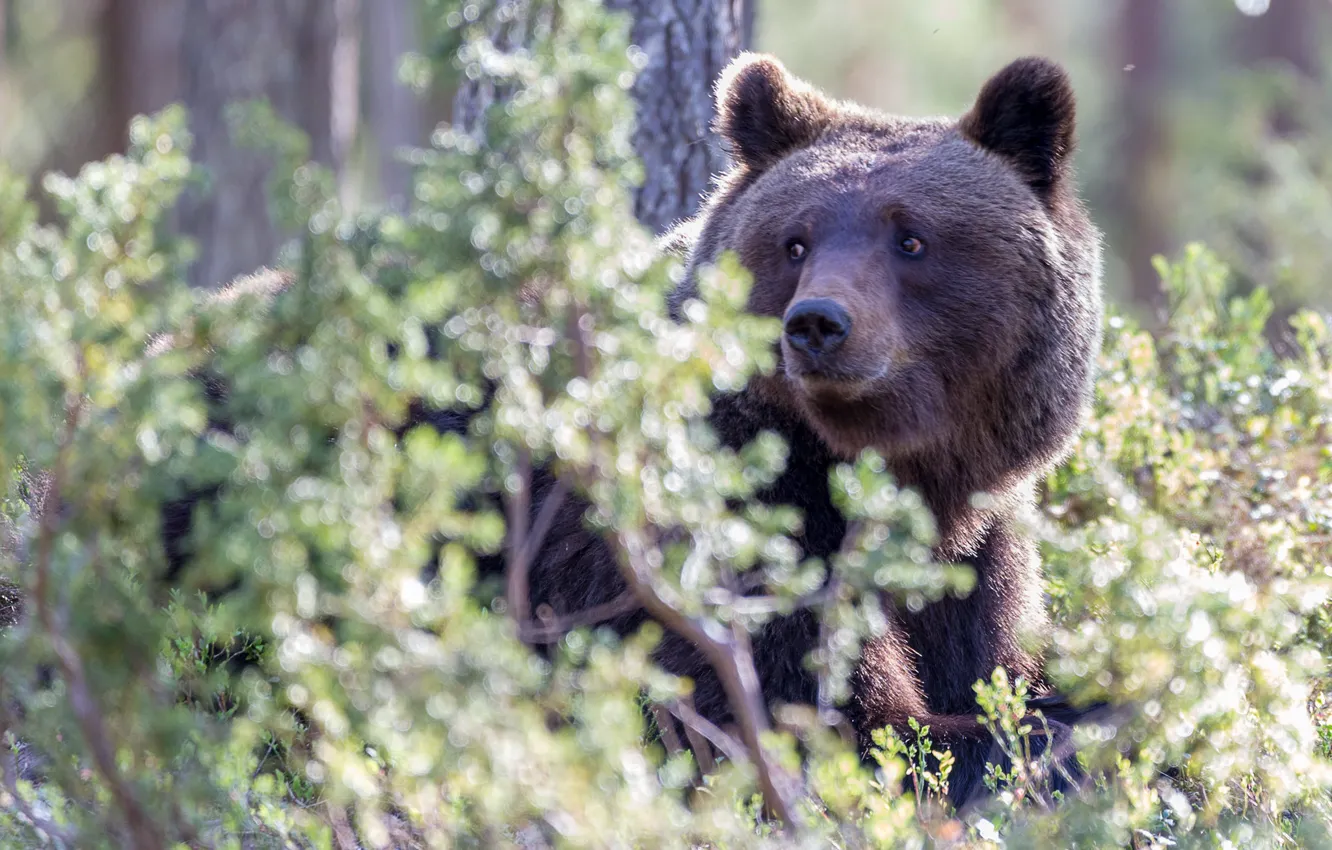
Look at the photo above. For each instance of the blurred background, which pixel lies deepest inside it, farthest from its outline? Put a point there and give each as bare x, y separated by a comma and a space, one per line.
1200, 119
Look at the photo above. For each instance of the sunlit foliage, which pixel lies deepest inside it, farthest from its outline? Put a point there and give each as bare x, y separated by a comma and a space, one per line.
329, 669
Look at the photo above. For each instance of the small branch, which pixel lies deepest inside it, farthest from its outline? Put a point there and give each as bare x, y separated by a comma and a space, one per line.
825, 701
524, 546
582, 361
143, 831
710, 732
753, 606
759, 605
516, 586
733, 663
549, 508
702, 750
344, 837
551, 631
666, 725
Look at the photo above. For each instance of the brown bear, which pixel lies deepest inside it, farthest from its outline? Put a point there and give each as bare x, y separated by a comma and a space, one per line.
939, 287
938, 284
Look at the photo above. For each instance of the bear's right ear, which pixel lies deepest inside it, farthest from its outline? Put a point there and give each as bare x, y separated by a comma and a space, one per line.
763, 113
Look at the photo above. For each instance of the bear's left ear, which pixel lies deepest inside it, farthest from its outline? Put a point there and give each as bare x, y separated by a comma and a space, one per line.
764, 113
1025, 113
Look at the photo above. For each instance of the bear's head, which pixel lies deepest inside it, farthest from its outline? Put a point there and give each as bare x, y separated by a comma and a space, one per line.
937, 280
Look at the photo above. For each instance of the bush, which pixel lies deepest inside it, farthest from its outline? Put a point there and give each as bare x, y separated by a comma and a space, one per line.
328, 669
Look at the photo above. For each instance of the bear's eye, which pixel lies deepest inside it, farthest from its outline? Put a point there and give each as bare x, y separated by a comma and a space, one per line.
911, 246
796, 250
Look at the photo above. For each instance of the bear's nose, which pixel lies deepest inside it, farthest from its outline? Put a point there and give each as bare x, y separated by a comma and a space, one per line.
817, 326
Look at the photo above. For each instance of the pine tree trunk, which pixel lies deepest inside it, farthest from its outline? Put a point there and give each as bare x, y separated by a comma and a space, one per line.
1143, 190
687, 43
140, 46
124, 34
4, 32
344, 91
393, 112
282, 51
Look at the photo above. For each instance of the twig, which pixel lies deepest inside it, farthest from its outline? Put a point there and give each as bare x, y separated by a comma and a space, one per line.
666, 725
825, 700
344, 837
830, 591
702, 750
516, 586
759, 605
143, 831
549, 507
524, 546
711, 732
551, 631
753, 606
582, 362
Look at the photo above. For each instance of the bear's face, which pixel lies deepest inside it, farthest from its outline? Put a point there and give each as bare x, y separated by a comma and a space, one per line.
936, 280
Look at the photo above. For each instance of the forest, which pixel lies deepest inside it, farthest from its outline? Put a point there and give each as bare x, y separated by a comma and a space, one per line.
262, 586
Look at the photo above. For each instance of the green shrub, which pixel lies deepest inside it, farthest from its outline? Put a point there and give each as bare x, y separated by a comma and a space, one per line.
302, 684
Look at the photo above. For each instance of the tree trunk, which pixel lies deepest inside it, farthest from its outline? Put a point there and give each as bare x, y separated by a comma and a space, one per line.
1142, 187
140, 54
94, 126
687, 43
137, 45
282, 51
344, 89
393, 112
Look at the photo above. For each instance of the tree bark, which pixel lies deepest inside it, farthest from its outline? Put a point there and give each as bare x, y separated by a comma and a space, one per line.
137, 44
393, 112
140, 54
344, 90
282, 51
687, 44
138, 71
95, 125
1142, 187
